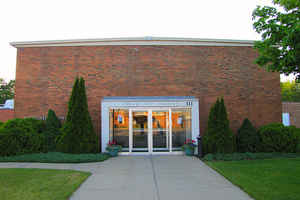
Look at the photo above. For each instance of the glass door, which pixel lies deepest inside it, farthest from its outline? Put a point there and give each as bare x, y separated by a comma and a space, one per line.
150, 129
119, 127
140, 131
160, 130
181, 127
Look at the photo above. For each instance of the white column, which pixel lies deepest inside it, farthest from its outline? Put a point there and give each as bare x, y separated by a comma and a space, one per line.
170, 129
195, 120
130, 131
150, 135
104, 126
167, 130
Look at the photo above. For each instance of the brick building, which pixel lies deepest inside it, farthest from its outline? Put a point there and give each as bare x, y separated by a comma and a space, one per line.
7, 110
292, 109
149, 94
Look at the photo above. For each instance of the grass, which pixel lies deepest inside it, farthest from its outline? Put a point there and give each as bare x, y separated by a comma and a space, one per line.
42, 184
270, 179
56, 157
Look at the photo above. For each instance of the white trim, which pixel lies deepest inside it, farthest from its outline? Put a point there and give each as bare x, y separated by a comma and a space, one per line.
134, 41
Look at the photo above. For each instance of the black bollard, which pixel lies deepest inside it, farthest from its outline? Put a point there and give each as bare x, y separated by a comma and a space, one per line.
199, 146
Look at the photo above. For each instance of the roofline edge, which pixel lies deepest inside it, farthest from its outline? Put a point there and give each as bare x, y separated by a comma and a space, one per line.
135, 41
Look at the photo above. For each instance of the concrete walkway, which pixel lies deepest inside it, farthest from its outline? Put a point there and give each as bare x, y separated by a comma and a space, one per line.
148, 177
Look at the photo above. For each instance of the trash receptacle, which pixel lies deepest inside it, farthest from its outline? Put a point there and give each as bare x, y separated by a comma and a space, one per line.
199, 146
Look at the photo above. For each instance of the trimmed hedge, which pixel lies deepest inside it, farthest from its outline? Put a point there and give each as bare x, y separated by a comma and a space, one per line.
247, 138
20, 136
276, 137
56, 157
247, 156
218, 137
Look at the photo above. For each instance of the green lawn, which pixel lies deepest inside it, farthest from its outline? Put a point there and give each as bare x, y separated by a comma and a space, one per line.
31, 184
270, 179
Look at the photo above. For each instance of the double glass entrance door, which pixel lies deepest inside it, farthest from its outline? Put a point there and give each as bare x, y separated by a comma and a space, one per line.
149, 130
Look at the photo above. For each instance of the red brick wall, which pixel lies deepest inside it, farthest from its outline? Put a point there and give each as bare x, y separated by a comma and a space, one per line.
293, 108
6, 114
45, 75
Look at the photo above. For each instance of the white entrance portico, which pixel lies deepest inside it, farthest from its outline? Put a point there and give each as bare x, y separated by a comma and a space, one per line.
149, 125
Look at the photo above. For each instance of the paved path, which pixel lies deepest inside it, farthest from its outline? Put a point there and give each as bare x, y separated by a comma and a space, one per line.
148, 177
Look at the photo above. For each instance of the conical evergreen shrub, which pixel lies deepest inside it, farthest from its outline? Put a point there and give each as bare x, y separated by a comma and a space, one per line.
78, 135
218, 137
52, 131
247, 137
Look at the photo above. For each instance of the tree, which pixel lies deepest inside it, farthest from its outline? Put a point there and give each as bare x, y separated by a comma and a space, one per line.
6, 90
78, 135
290, 91
279, 49
52, 131
247, 137
218, 137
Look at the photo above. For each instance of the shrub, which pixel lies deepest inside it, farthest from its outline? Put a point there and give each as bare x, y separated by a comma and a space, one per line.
247, 156
56, 157
78, 134
218, 137
52, 131
276, 137
250, 155
19, 136
208, 157
298, 148
247, 137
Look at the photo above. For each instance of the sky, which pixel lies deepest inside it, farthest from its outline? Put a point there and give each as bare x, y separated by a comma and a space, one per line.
33, 20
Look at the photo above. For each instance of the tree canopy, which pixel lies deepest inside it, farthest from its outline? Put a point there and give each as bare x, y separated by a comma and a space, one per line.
279, 27
290, 91
7, 90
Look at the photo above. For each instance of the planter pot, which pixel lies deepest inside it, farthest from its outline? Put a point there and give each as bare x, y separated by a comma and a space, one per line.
113, 151
189, 151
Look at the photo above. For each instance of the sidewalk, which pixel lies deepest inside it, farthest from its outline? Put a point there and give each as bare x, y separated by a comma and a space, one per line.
148, 177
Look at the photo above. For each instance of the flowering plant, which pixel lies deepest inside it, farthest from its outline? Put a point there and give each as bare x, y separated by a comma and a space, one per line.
110, 143
112, 146
189, 144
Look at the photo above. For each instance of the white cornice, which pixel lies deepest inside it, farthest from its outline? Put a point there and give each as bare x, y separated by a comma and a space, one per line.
135, 41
